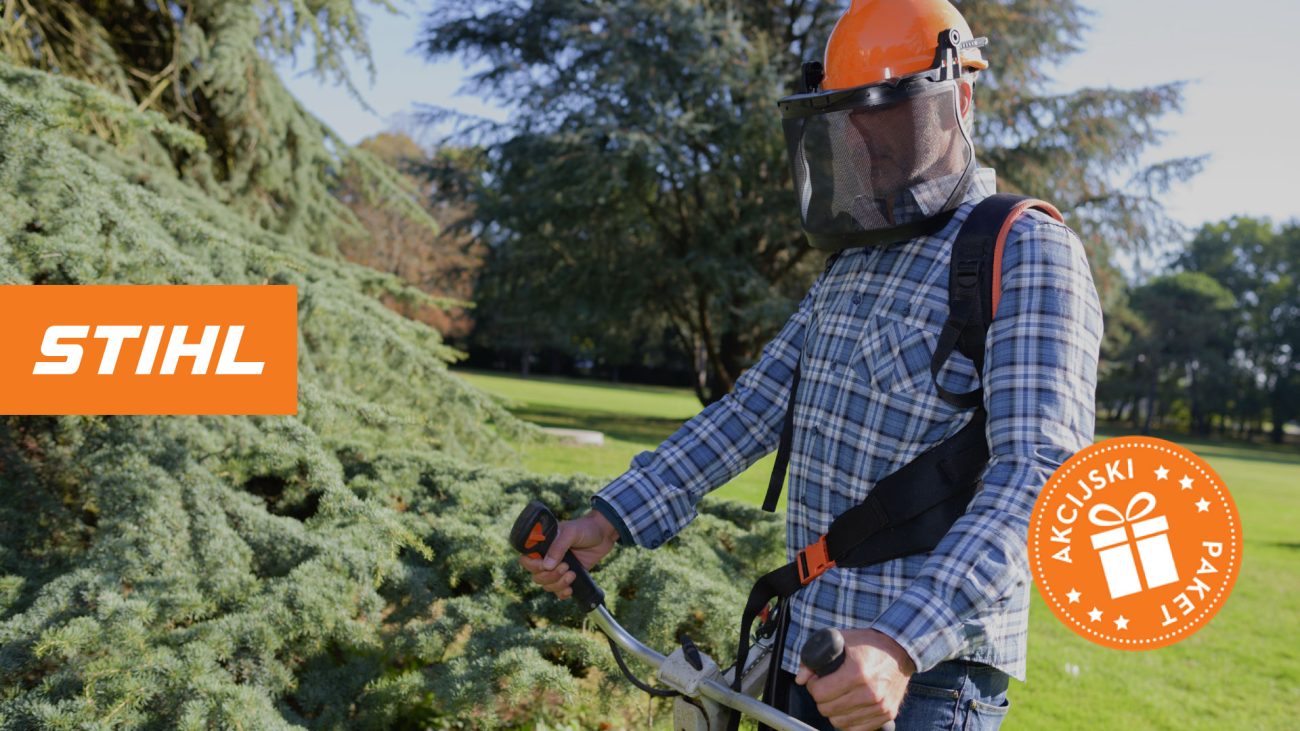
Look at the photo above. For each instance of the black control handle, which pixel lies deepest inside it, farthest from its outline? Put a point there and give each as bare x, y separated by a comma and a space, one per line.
823, 653
534, 531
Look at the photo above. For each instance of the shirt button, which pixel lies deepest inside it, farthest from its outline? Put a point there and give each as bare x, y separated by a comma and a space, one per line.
655, 543
857, 299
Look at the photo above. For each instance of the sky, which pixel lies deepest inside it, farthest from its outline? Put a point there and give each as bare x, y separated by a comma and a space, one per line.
1241, 104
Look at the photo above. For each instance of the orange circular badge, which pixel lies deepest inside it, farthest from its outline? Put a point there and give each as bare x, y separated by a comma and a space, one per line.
1135, 543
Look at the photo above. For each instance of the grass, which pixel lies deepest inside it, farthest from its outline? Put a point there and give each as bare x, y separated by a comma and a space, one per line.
633, 418
1240, 671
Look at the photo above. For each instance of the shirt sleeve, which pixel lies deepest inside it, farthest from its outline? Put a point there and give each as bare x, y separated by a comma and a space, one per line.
1040, 380
656, 497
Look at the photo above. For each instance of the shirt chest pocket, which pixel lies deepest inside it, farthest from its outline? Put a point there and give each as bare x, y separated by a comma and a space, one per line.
885, 408
892, 353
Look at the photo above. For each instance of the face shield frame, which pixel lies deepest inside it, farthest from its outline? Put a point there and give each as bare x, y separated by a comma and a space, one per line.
811, 105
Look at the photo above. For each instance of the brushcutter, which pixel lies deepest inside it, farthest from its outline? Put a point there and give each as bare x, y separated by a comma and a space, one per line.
703, 691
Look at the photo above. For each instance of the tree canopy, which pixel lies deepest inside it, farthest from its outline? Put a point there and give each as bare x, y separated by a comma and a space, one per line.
640, 186
207, 66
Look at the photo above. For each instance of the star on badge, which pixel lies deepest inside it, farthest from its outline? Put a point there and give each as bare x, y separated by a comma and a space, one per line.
1074, 596
1121, 623
1162, 473
1186, 482
1202, 506
1095, 614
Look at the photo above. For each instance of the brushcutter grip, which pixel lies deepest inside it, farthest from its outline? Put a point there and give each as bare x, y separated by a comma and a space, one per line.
823, 653
534, 531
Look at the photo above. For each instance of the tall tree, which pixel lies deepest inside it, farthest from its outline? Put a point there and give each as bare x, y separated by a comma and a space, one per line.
1260, 264
274, 572
1188, 340
440, 263
642, 178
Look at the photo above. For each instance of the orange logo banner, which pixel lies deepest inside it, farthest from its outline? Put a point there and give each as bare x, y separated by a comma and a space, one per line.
146, 349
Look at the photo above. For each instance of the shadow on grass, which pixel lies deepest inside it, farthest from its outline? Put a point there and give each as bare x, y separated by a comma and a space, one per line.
628, 428
568, 381
1211, 447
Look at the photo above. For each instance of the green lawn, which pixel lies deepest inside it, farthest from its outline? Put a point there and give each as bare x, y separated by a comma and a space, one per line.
1241, 671
633, 418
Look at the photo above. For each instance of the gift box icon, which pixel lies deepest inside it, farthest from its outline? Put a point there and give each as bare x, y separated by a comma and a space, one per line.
1150, 535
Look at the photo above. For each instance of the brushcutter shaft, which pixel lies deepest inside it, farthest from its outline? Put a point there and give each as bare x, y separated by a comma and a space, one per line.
710, 689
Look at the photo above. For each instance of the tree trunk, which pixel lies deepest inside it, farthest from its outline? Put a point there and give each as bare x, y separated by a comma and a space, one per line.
720, 380
701, 371
732, 355
1151, 403
1277, 435
1196, 415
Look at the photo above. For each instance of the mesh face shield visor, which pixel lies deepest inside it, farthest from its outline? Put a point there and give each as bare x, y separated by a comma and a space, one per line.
880, 163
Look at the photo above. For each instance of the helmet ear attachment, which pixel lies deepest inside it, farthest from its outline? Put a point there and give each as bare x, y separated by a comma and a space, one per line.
810, 79
947, 57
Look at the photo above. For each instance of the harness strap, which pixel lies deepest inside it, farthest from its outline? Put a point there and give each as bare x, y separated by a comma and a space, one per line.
776, 692
977, 260
787, 424
1001, 243
905, 501
783, 448
778, 584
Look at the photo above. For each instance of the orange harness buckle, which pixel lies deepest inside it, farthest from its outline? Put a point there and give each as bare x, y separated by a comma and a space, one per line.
813, 561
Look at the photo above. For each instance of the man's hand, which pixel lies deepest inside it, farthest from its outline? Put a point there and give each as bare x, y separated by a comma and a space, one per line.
867, 690
590, 537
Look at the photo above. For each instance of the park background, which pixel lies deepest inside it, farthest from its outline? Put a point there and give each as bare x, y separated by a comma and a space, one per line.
347, 567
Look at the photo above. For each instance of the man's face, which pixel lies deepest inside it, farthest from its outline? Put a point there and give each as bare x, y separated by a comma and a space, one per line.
861, 170
889, 135
907, 141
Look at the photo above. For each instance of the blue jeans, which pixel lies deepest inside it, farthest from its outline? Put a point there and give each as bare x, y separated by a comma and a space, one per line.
952, 696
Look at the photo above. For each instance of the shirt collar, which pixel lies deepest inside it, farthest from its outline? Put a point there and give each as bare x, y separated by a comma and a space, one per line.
928, 197
983, 184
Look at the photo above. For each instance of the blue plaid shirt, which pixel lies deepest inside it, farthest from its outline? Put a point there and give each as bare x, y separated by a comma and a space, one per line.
866, 406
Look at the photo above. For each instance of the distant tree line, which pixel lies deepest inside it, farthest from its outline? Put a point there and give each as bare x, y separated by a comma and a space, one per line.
1212, 344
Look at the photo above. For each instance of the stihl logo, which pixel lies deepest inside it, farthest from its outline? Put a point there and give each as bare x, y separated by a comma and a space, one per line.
149, 350
114, 335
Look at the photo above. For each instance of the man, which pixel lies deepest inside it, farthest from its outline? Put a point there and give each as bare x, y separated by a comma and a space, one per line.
885, 175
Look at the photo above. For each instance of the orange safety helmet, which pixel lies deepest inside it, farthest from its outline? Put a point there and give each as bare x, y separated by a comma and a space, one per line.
879, 149
876, 40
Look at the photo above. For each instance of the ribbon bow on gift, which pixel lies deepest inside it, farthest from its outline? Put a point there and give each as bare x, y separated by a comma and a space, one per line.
1100, 513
